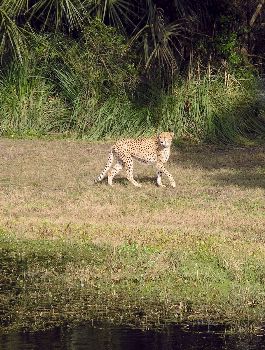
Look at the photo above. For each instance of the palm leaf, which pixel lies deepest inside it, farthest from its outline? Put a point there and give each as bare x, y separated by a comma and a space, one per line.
14, 8
12, 37
160, 42
58, 13
119, 13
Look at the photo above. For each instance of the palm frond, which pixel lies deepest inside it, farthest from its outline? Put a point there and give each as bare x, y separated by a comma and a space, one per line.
119, 13
160, 42
12, 37
14, 8
58, 13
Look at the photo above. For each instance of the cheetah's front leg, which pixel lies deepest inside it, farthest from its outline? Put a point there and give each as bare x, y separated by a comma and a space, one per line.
161, 169
159, 179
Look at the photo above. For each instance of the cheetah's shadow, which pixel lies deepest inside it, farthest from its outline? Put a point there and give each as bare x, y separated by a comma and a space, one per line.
125, 182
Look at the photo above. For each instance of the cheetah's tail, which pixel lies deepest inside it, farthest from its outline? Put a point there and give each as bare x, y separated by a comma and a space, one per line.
107, 167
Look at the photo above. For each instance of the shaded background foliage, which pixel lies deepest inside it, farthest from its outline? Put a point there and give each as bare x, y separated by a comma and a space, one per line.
164, 31
103, 62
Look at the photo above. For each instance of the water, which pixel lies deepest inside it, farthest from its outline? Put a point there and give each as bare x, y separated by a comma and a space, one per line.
118, 338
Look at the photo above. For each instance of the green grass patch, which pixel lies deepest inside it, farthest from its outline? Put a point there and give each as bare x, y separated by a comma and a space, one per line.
45, 283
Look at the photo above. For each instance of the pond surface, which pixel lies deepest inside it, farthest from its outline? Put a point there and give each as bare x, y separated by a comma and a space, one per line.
118, 338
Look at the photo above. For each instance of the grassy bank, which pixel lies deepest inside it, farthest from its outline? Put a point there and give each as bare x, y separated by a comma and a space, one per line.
73, 251
176, 279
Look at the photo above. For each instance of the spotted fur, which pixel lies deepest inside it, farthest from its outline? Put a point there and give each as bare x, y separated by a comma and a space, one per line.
148, 150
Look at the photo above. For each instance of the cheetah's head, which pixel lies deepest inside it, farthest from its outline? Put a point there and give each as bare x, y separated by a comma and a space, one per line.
165, 139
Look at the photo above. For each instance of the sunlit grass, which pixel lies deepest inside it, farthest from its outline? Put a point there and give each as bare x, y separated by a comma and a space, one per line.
199, 108
72, 250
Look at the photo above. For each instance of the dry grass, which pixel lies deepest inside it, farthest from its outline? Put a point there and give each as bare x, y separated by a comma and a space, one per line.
72, 250
47, 189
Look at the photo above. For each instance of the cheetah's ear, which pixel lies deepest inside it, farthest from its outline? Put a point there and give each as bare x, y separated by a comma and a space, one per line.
172, 134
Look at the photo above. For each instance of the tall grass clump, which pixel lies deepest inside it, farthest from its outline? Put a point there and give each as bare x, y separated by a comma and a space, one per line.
92, 88
78, 67
28, 105
115, 117
79, 86
213, 106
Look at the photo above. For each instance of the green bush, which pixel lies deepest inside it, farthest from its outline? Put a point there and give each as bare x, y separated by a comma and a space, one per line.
89, 87
215, 107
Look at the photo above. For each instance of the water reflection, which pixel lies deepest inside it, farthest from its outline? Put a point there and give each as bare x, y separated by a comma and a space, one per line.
172, 338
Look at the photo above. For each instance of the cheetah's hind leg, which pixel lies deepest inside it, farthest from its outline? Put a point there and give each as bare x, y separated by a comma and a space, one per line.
107, 167
114, 171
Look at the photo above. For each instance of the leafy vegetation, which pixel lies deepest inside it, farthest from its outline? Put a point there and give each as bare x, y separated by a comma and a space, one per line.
99, 68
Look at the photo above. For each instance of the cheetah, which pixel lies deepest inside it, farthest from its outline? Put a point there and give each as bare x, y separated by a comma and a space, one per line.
147, 150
